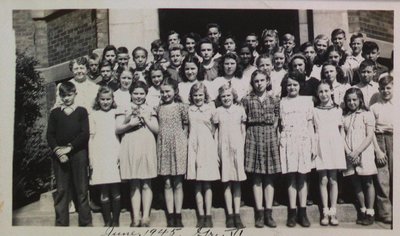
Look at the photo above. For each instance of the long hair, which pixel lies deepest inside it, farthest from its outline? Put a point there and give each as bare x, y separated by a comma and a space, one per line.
341, 52
340, 78
155, 67
200, 69
103, 90
358, 92
239, 70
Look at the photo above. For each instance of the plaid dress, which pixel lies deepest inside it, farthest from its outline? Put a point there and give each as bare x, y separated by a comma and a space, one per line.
261, 146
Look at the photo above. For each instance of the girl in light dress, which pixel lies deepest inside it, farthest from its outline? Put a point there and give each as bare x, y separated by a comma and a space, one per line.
359, 126
230, 119
138, 160
172, 148
155, 77
330, 149
203, 160
103, 155
122, 96
335, 75
296, 146
191, 72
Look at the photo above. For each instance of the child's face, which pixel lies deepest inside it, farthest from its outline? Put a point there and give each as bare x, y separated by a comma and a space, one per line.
356, 46
299, 65
198, 98
93, 66
206, 51
229, 45
373, 55
293, 88
265, 65
367, 73
288, 45
138, 96
386, 92
252, 41
321, 46
110, 56
68, 98
214, 34
126, 80
245, 55
176, 57
269, 42
229, 66
324, 93
310, 53
339, 40
352, 102
158, 53
105, 72
105, 101
191, 71
79, 71
123, 59
330, 72
173, 39
226, 98
334, 57
156, 77
167, 93
140, 59
190, 45
260, 83
279, 60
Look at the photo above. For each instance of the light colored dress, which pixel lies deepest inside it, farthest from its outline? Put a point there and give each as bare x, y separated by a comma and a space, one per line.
138, 158
296, 138
276, 80
103, 148
203, 160
122, 98
172, 139
330, 146
231, 142
153, 97
184, 90
355, 126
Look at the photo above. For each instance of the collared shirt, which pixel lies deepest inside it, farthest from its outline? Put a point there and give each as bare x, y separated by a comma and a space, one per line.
261, 110
383, 112
339, 90
368, 91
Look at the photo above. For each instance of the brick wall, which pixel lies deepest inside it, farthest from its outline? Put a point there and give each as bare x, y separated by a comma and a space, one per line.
24, 31
375, 24
71, 34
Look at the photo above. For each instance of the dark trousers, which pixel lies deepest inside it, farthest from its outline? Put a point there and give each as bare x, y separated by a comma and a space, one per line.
72, 176
383, 180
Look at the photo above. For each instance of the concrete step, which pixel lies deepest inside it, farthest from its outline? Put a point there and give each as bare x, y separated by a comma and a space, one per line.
41, 213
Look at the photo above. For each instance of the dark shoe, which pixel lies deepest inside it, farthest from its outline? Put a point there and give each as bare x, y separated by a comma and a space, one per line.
259, 218
268, 220
170, 220
387, 221
368, 220
275, 203
302, 217
238, 222
291, 220
106, 213
208, 222
200, 221
360, 217
116, 211
178, 220
310, 202
230, 223
94, 207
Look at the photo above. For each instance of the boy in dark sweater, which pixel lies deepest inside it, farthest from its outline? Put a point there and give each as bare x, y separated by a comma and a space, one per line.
67, 136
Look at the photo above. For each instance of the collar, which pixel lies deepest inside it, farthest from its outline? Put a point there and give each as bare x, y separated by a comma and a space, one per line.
73, 107
380, 100
209, 66
203, 108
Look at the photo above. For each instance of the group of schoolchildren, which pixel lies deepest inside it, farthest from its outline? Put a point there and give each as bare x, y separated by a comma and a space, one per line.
212, 109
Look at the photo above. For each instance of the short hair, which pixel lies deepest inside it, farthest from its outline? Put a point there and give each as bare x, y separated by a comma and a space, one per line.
196, 87
191, 35
366, 63
338, 31
105, 63
239, 70
103, 90
340, 77
307, 63
264, 56
213, 25
139, 49
122, 50
195, 60
109, 48
360, 96
66, 87
252, 34
259, 72
369, 46
175, 46
388, 79
80, 61
223, 88
93, 56
321, 37
288, 37
156, 44
306, 45
138, 84
270, 33
356, 35
206, 41
171, 32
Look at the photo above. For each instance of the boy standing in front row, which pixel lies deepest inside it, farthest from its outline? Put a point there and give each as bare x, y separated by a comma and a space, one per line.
67, 136
383, 111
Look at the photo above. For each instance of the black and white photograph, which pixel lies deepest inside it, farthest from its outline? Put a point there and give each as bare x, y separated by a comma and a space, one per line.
202, 118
